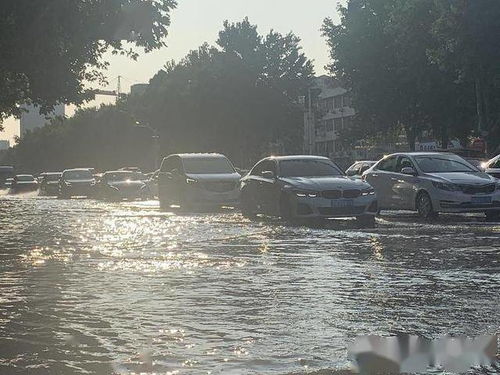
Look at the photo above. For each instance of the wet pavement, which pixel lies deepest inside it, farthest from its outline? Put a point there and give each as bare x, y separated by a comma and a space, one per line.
97, 288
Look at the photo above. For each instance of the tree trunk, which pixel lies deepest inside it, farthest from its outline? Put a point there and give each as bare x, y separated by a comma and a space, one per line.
411, 136
479, 100
445, 138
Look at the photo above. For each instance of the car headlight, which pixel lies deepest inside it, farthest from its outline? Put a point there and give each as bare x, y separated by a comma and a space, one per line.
191, 181
369, 191
304, 194
445, 186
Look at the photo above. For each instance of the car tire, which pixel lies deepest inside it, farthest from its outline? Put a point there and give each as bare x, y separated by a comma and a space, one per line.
286, 210
366, 221
492, 216
247, 206
424, 206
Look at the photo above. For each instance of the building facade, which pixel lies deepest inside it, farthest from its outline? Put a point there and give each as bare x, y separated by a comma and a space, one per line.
328, 112
31, 118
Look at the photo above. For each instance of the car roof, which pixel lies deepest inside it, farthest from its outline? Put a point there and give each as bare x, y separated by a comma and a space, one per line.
297, 157
422, 153
24, 175
49, 173
77, 170
198, 155
122, 172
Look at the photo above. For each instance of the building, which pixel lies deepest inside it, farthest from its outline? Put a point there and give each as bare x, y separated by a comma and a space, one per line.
139, 89
4, 144
328, 112
31, 118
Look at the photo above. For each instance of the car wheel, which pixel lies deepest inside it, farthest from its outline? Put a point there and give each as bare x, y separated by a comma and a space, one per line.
424, 206
492, 215
366, 221
286, 211
247, 206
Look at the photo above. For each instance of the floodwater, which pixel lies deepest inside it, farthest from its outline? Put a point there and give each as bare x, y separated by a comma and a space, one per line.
98, 288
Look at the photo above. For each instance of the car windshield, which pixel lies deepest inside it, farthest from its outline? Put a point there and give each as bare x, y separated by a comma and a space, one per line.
52, 177
207, 165
308, 168
25, 178
124, 176
443, 164
78, 175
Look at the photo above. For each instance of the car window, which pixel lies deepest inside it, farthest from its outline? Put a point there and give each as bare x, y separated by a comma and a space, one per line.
354, 170
207, 165
265, 165
444, 164
388, 164
495, 164
171, 163
309, 168
404, 162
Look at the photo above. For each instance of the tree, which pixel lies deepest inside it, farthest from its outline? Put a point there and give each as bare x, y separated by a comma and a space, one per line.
381, 51
52, 50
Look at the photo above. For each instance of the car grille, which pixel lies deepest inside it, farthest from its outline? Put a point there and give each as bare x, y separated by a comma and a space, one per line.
334, 211
481, 189
337, 194
219, 187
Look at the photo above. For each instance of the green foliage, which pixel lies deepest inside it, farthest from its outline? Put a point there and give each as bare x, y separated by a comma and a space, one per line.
236, 98
386, 52
51, 49
105, 138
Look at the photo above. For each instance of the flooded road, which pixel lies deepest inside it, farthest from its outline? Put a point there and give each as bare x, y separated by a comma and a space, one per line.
97, 288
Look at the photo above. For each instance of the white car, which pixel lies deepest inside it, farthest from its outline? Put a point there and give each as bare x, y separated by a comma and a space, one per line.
433, 182
194, 180
492, 167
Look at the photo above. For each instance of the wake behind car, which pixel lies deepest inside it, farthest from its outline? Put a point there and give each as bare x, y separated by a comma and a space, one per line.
23, 183
306, 187
76, 183
119, 185
194, 180
433, 182
49, 183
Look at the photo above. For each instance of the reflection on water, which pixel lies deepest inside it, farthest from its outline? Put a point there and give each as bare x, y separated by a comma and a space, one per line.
90, 287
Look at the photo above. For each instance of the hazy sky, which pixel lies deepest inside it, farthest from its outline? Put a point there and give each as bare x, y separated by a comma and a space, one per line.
197, 21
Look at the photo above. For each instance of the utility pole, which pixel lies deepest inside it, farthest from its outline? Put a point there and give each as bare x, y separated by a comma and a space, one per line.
119, 88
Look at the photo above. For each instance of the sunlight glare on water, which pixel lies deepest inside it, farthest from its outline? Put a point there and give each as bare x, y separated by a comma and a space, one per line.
90, 287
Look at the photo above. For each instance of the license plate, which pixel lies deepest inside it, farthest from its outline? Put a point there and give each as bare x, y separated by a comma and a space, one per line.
342, 203
481, 200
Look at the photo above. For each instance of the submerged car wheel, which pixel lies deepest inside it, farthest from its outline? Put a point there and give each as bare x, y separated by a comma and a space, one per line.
286, 211
424, 206
248, 209
366, 221
492, 215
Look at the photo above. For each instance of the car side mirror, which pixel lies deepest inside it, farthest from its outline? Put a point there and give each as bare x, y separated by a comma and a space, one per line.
409, 171
268, 174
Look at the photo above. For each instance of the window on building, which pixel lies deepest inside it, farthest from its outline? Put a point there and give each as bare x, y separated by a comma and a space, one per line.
329, 125
320, 148
329, 147
337, 124
347, 122
338, 146
347, 100
337, 101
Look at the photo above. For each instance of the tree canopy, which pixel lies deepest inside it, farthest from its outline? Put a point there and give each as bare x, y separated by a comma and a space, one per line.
52, 50
407, 62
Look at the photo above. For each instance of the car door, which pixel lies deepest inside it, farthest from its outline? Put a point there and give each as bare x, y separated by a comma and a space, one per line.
253, 185
404, 185
268, 189
169, 180
380, 178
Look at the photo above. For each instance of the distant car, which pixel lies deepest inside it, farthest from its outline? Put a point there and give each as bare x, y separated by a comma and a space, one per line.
23, 183
6, 172
492, 167
306, 187
433, 182
76, 183
49, 183
194, 180
119, 185
131, 169
358, 168
8, 183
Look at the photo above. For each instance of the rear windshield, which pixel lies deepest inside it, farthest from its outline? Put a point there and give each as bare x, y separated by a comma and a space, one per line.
25, 178
444, 164
308, 168
78, 175
207, 165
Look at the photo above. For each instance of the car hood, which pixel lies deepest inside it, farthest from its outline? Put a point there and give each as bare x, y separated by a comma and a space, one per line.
325, 183
126, 184
473, 178
222, 177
